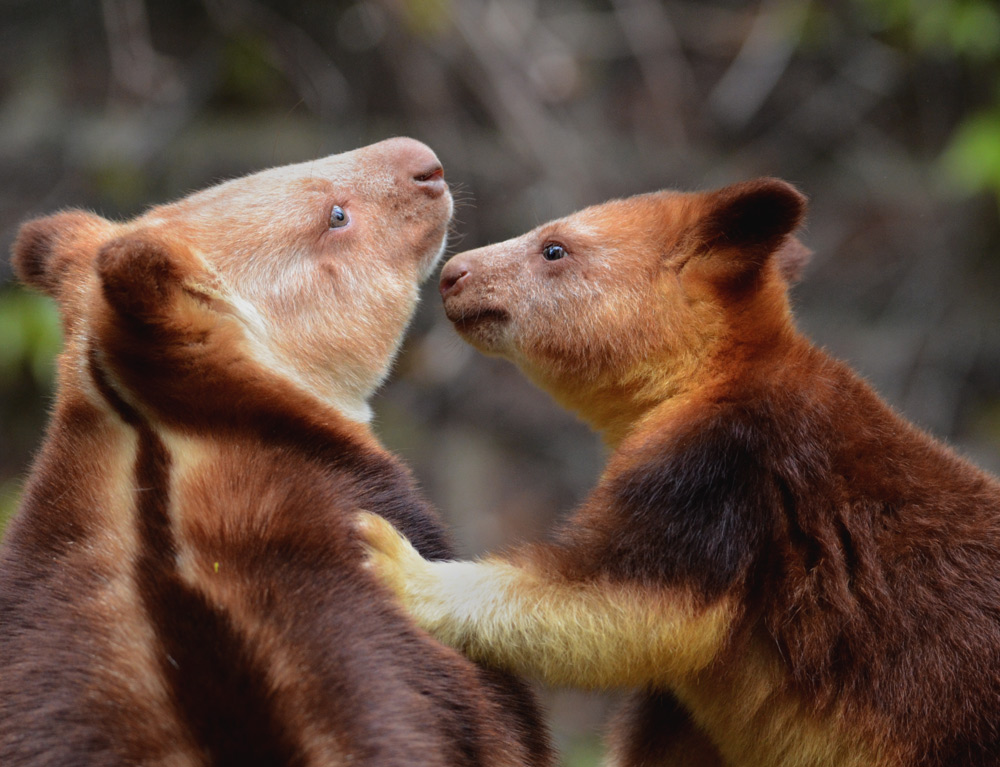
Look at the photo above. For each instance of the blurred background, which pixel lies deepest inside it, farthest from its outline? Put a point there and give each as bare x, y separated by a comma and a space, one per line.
885, 112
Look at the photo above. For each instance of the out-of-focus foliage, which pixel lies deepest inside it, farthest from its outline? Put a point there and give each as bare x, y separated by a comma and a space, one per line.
29, 336
29, 340
973, 156
945, 28
885, 112
9, 494
965, 30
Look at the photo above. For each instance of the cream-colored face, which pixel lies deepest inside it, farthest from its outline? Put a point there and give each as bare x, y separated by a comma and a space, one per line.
322, 261
310, 270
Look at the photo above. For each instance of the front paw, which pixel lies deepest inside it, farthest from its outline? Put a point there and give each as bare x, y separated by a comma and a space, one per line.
390, 556
434, 594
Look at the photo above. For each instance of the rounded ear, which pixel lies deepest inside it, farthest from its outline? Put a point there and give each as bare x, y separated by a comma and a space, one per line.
47, 249
142, 275
745, 224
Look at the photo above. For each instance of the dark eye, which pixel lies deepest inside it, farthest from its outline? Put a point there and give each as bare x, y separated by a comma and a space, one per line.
338, 217
553, 252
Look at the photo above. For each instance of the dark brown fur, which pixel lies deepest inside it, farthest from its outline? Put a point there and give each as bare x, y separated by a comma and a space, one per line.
869, 553
856, 559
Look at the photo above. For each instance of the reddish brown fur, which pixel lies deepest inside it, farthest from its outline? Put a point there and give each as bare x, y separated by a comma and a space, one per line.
862, 555
181, 584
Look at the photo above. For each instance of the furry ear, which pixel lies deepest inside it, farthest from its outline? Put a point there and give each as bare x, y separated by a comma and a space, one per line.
747, 223
144, 275
47, 249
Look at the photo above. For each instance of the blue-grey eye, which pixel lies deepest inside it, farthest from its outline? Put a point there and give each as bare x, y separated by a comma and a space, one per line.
338, 217
553, 251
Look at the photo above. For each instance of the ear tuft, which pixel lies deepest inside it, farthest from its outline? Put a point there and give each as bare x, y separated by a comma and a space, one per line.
46, 247
792, 258
753, 215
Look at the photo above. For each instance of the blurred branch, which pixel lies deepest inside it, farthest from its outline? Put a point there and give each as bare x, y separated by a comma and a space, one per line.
834, 111
318, 81
654, 43
166, 98
503, 90
136, 68
762, 59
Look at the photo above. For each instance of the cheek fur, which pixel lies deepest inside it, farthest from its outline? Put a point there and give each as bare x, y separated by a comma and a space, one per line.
583, 328
342, 332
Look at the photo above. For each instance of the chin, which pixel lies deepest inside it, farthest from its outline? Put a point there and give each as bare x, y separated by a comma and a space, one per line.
434, 260
486, 336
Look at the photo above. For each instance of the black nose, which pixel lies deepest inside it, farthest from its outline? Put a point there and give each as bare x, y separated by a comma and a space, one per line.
452, 277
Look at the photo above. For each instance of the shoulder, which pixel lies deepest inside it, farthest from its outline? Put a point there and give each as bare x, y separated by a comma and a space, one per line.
711, 457
693, 506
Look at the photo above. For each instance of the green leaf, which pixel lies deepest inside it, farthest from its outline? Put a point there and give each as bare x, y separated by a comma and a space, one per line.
975, 30
30, 335
972, 159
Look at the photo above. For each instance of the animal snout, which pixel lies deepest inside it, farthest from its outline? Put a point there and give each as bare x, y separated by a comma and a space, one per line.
418, 164
452, 278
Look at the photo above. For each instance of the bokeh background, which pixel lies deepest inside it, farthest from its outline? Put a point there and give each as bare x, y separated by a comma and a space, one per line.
885, 112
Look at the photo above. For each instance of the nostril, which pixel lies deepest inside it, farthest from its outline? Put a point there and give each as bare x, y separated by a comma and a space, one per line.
431, 180
451, 281
434, 173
